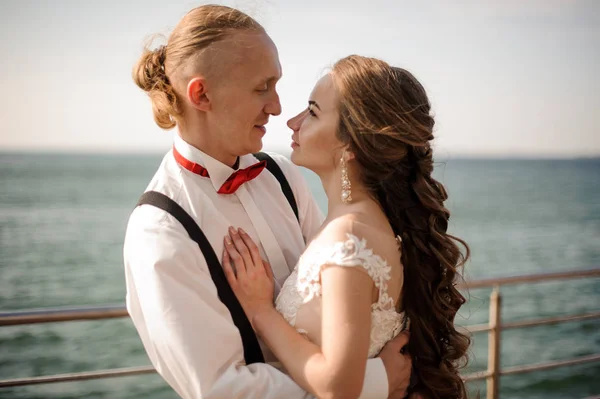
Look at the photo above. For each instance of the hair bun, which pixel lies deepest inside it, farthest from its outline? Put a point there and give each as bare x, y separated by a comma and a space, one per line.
161, 53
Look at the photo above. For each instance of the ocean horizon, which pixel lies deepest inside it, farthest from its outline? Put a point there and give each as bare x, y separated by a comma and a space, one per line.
446, 155
63, 217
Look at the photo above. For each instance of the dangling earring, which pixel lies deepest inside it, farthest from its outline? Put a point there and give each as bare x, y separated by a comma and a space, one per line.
346, 186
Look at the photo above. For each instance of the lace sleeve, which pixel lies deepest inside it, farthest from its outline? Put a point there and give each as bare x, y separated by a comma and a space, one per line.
350, 253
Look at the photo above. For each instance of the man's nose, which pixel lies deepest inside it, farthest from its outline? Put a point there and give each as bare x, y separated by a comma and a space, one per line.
274, 106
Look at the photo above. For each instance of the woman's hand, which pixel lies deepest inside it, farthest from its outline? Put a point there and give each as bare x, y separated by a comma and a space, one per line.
250, 278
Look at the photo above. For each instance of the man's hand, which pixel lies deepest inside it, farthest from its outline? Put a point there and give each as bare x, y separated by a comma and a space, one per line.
397, 365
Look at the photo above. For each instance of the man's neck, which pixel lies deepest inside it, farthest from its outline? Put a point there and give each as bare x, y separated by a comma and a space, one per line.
200, 142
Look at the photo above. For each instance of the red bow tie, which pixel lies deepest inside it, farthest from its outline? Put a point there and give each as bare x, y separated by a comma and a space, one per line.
234, 181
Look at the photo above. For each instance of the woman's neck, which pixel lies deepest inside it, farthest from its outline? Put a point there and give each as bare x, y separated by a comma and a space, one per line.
332, 184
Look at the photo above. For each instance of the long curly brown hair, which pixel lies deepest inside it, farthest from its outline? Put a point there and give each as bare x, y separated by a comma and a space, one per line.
385, 118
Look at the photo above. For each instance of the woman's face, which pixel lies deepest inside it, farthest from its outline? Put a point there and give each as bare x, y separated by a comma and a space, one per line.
314, 141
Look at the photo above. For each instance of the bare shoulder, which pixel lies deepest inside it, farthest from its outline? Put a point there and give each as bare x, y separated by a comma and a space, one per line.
337, 229
379, 239
350, 224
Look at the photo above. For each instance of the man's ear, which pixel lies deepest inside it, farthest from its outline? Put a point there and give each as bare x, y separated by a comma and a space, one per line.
196, 94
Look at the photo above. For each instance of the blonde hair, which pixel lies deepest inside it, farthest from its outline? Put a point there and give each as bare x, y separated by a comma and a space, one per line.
197, 30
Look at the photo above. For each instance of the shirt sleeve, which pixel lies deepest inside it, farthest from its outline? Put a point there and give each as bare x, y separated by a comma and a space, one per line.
186, 330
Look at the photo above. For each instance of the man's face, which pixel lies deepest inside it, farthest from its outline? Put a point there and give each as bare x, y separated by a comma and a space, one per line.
244, 97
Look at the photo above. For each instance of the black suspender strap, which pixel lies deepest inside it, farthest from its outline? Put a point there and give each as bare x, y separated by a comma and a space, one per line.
278, 173
252, 352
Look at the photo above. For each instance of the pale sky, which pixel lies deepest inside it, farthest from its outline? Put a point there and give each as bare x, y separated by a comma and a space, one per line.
506, 77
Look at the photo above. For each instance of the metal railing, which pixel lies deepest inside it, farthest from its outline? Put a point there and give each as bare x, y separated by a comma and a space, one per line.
494, 329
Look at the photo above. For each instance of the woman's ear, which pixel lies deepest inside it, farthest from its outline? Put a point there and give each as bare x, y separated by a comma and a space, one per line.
196, 94
348, 155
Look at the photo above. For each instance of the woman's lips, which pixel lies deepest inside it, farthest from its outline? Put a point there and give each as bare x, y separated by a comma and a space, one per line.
294, 143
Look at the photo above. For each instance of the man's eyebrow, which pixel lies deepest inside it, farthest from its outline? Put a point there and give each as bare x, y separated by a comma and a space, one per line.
311, 102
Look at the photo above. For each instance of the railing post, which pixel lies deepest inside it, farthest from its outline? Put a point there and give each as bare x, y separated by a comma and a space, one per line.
494, 344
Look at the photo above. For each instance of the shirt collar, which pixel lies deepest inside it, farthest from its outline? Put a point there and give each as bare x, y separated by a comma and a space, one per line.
218, 171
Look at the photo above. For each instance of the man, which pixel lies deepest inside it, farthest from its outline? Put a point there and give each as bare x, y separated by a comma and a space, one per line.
216, 80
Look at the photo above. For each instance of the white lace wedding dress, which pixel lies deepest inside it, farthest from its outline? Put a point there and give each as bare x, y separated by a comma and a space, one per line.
299, 300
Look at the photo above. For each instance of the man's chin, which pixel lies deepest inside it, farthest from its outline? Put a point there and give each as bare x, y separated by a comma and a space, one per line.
255, 147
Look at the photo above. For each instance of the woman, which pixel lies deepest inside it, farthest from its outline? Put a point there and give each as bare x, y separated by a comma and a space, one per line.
382, 256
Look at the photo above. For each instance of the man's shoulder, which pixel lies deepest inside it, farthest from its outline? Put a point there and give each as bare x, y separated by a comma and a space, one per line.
149, 219
146, 217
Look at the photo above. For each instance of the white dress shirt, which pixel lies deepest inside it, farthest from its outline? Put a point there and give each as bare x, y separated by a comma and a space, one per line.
188, 333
